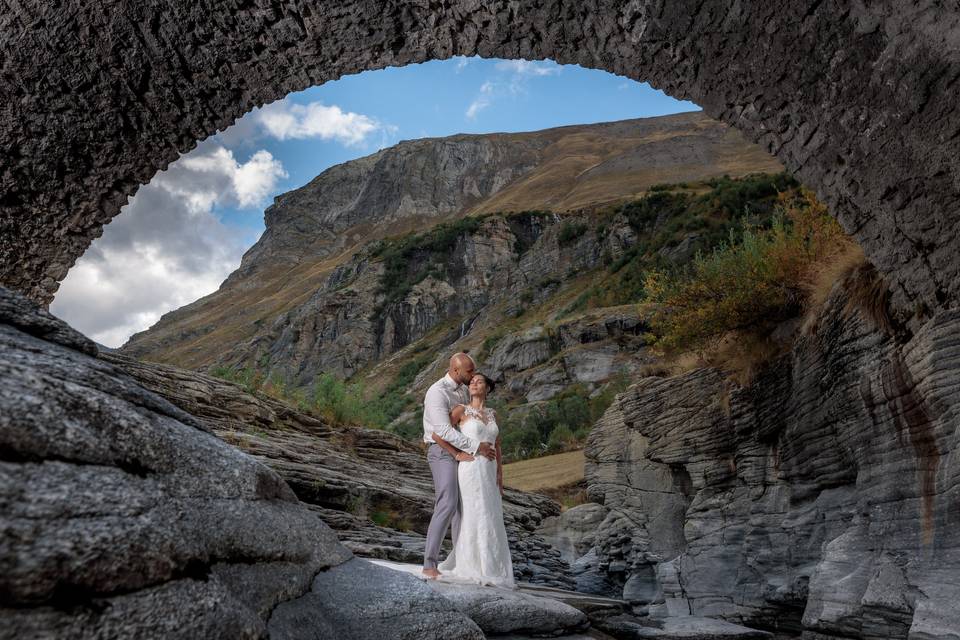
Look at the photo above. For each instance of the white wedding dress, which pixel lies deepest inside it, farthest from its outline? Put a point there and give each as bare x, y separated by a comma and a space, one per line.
481, 554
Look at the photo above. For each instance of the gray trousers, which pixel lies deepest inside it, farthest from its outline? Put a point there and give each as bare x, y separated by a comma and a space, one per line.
446, 506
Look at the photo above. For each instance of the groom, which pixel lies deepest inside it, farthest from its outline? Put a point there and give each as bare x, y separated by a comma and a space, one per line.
442, 397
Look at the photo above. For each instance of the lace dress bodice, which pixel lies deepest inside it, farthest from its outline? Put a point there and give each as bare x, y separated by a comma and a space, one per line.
480, 424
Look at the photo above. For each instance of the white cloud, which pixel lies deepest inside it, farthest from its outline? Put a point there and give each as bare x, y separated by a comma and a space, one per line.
285, 120
512, 80
482, 101
166, 248
530, 68
256, 179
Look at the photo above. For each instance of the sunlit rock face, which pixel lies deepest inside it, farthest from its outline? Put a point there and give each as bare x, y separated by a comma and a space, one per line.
822, 498
313, 293
858, 101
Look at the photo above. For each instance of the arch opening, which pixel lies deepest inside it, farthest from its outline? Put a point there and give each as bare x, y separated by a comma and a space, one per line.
867, 145
185, 231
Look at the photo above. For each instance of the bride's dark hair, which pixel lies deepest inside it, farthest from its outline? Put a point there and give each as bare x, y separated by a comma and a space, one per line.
491, 385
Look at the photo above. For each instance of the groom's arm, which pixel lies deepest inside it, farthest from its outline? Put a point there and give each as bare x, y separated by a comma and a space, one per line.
435, 413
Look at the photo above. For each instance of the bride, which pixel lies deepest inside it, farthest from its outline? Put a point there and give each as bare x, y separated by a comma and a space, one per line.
480, 553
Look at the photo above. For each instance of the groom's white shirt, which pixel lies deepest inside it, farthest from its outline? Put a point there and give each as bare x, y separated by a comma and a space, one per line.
442, 396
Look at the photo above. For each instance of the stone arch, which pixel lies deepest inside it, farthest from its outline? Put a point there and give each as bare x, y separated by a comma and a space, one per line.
857, 99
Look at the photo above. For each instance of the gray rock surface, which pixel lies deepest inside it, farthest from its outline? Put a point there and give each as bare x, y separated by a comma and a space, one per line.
573, 532
530, 610
337, 608
501, 611
817, 499
122, 516
688, 628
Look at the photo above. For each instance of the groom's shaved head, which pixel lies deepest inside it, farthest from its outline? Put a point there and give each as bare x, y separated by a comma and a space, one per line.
461, 367
461, 359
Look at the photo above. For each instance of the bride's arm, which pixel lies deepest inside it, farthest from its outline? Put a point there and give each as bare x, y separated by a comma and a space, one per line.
457, 454
499, 467
446, 446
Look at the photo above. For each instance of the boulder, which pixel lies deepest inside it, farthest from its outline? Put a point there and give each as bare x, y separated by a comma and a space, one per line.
124, 516
498, 611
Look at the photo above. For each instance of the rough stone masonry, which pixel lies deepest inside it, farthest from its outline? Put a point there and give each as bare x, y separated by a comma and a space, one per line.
857, 99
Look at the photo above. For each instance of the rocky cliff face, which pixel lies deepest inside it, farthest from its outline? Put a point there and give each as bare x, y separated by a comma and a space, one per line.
306, 256
427, 179
822, 498
352, 321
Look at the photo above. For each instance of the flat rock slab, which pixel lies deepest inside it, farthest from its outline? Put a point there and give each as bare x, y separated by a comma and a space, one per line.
590, 604
360, 600
680, 628
501, 611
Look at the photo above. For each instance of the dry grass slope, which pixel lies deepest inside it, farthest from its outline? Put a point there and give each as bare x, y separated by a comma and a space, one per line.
547, 472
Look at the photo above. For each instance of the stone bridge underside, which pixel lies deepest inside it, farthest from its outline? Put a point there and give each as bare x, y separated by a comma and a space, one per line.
858, 99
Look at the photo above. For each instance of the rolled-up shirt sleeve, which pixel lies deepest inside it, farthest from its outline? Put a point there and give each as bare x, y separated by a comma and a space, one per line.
436, 419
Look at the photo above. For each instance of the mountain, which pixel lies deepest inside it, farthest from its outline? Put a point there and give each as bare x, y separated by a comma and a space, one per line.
288, 305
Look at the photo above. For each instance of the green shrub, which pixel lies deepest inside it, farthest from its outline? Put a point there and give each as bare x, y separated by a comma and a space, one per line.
409, 259
561, 439
339, 402
570, 232
254, 380
518, 442
731, 205
559, 424
753, 281
391, 519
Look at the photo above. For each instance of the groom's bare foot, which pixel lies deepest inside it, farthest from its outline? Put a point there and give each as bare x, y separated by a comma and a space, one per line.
433, 574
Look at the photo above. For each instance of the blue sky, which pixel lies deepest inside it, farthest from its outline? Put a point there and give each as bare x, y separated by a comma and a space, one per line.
183, 233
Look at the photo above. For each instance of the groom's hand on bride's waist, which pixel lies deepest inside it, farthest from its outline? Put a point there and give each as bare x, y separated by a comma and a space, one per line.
463, 456
487, 451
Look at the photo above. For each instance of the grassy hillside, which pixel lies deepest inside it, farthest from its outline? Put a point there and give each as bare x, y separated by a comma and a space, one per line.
718, 213
547, 472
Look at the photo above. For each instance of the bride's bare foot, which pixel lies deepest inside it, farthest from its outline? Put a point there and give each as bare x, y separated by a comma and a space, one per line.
433, 574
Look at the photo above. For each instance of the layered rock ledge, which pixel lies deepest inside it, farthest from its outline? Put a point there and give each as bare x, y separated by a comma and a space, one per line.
821, 499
